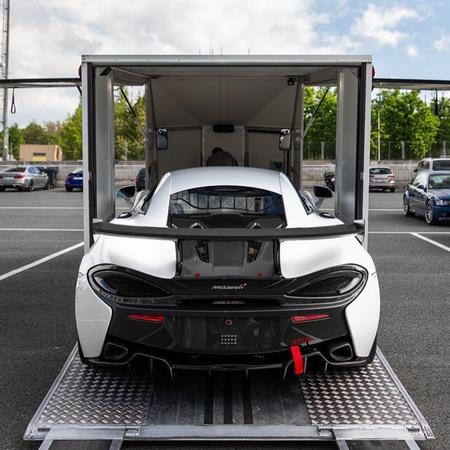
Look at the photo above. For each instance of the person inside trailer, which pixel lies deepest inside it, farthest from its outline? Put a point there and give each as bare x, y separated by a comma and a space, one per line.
220, 157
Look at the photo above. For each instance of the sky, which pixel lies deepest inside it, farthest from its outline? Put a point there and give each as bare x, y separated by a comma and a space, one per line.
407, 39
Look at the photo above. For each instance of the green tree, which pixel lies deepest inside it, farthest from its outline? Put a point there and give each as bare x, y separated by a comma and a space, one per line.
404, 116
323, 128
15, 139
128, 130
69, 136
443, 133
34, 133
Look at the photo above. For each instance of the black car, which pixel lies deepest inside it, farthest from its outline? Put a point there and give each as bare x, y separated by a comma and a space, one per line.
140, 180
428, 195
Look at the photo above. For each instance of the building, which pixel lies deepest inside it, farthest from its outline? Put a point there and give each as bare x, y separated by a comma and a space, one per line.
39, 152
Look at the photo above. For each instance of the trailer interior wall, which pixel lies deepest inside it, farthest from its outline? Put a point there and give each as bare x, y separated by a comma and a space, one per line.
258, 95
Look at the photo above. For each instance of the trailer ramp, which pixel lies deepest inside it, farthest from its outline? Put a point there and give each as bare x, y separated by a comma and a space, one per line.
339, 406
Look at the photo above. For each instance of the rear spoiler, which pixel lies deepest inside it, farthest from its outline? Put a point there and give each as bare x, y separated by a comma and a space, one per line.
228, 234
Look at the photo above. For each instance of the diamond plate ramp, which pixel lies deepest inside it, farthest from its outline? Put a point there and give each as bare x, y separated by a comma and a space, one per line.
362, 403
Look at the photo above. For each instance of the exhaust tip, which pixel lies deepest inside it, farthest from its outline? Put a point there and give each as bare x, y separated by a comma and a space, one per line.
341, 352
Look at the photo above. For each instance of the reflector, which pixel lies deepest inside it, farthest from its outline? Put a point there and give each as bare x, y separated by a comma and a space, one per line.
147, 318
309, 318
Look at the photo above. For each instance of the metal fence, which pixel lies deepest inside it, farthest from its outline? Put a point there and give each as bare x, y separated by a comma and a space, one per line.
313, 171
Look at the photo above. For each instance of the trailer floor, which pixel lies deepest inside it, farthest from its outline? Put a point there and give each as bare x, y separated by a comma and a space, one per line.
94, 404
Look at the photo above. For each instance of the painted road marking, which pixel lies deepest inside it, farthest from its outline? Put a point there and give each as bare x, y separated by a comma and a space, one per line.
437, 244
41, 229
410, 232
41, 207
40, 261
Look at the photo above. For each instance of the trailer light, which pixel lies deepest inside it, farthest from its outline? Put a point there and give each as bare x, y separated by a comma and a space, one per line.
147, 318
310, 318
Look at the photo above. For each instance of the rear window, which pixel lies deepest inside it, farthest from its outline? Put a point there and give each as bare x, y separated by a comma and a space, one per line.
441, 165
226, 206
17, 169
380, 171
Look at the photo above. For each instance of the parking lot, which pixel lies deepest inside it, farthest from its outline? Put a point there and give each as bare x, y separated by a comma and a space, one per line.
38, 327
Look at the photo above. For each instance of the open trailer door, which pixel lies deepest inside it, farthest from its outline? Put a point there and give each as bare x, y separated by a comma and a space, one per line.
240, 103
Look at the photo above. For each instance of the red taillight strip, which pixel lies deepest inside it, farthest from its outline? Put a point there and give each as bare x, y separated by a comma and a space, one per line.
309, 318
147, 318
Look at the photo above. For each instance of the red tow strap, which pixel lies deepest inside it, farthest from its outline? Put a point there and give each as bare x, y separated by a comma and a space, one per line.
297, 358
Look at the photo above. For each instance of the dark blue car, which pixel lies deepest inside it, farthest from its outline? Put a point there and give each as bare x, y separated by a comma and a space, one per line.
74, 180
428, 195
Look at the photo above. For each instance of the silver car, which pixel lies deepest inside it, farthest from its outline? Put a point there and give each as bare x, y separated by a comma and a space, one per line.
23, 178
381, 178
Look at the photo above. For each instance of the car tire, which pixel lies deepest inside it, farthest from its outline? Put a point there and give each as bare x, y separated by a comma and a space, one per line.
392, 189
429, 214
47, 186
69, 189
406, 210
30, 187
2, 189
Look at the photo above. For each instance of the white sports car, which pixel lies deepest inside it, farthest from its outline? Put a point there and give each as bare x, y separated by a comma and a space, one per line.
227, 268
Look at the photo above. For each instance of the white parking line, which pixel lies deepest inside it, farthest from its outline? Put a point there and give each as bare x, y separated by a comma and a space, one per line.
41, 229
41, 207
437, 244
39, 261
409, 232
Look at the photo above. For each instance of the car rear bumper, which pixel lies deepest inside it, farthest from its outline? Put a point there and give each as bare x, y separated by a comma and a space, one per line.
226, 339
16, 183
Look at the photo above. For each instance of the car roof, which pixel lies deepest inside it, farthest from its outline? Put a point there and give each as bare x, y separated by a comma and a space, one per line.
184, 179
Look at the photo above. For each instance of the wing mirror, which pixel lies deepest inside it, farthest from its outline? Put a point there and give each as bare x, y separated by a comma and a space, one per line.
285, 139
127, 193
321, 192
162, 139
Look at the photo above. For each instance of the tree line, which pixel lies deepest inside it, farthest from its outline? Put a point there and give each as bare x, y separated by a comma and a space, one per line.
403, 124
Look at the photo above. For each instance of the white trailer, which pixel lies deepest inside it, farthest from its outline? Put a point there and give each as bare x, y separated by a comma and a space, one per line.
196, 99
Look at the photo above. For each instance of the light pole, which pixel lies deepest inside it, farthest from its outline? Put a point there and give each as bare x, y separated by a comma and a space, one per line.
5, 57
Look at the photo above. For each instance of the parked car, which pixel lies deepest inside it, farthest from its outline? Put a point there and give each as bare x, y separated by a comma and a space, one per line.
140, 180
74, 180
433, 164
429, 195
381, 178
23, 178
330, 180
226, 304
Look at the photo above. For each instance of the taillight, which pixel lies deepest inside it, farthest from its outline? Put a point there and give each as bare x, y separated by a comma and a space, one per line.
19, 175
147, 318
309, 318
391, 177
122, 286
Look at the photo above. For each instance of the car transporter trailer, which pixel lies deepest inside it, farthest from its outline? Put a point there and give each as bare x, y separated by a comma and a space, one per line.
243, 103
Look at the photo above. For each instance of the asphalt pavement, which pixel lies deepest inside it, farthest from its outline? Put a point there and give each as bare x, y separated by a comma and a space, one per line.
37, 329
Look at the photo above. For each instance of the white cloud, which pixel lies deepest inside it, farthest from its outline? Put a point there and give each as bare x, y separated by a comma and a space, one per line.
382, 25
412, 52
49, 36
443, 43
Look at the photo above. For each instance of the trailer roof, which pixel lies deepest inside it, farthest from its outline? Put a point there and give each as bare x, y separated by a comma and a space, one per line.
234, 60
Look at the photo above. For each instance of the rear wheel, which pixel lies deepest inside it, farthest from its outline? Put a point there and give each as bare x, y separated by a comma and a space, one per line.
68, 189
392, 189
47, 186
429, 216
31, 186
2, 188
406, 210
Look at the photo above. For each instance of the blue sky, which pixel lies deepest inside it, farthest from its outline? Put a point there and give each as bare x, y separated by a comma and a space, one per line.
408, 39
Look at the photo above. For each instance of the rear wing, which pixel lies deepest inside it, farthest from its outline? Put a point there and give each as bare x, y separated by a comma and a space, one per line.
228, 234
